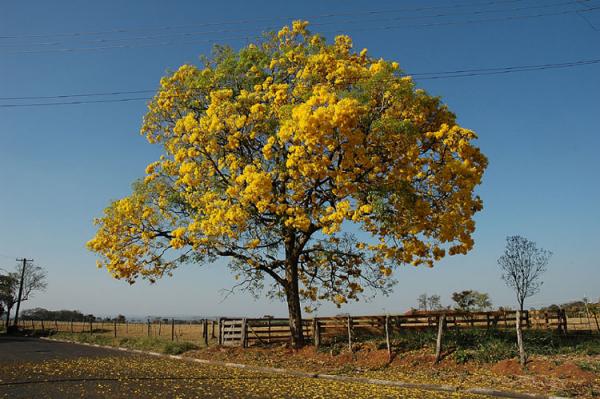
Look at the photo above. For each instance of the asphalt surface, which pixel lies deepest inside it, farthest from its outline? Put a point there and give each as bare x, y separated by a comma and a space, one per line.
24, 349
33, 368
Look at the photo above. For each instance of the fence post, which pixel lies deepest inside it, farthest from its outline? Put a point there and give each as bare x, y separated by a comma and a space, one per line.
220, 340
205, 331
148, 327
587, 314
91, 325
159, 327
115, 325
243, 333
440, 333
42, 326
212, 329
349, 322
387, 337
172, 329
268, 330
597, 324
71, 326
316, 332
56, 325
562, 321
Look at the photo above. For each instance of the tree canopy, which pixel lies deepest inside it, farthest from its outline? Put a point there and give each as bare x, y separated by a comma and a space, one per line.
523, 265
469, 300
301, 160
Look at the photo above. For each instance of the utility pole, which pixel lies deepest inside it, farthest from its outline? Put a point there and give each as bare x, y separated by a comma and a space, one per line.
24, 260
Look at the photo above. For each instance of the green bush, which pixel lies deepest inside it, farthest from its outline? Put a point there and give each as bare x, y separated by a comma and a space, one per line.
462, 356
593, 366
494, 350
140, 343
176, 348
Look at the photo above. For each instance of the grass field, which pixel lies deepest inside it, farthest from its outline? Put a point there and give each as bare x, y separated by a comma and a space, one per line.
179, 332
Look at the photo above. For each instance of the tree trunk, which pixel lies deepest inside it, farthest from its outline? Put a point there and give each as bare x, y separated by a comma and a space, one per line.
522, 355
521, 304
8, 309
294, 309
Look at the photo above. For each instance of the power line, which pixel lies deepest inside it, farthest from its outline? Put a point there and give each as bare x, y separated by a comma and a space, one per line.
119, 100
7, 256
387, 27
109, 93
252, 20
510, 69
418, 75
221, 31
582, 16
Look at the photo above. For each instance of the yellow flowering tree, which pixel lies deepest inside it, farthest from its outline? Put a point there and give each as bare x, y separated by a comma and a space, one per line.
304, 162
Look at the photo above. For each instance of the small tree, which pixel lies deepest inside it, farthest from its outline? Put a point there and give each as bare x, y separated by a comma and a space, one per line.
523, 264
34, 279
9, 285
434, 302
422, 302
429, 302
471, 300
482, 301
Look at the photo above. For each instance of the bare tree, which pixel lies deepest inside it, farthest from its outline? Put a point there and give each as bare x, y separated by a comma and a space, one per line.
422, 302
34, 279
434, 302
429, 302
523, 264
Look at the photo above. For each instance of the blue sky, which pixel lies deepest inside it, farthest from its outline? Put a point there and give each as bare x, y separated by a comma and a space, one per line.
60, 165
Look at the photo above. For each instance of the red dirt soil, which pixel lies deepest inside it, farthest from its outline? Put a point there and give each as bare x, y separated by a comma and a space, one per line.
567, 370
543, 375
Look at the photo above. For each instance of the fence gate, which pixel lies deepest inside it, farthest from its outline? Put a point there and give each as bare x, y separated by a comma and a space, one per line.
231, 332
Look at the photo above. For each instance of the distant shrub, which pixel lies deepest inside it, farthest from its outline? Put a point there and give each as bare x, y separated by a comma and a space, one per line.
176, 348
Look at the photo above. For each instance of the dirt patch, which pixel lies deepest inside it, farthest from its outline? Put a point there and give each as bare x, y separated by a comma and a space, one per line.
541, 367
508, 367
573, 371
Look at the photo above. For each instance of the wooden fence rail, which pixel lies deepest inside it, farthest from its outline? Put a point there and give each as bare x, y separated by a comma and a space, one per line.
249, 332
260, 331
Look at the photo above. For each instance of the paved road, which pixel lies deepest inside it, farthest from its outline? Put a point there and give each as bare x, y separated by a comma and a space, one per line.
19, 349
32, 368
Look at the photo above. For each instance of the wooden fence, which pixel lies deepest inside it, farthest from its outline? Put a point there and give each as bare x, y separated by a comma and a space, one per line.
250, 332
254, 331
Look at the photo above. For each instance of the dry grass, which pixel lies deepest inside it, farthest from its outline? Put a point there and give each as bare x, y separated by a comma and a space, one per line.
183, 332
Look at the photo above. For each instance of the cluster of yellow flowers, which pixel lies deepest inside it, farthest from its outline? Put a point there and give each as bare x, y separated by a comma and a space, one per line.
298, 135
